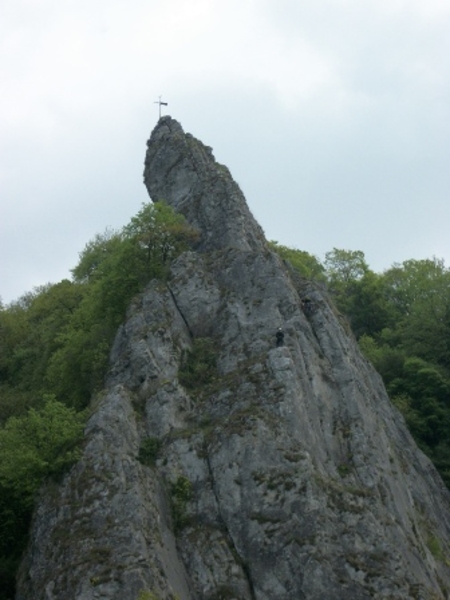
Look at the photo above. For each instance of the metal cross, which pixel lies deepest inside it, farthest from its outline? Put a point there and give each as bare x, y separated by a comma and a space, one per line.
161, 103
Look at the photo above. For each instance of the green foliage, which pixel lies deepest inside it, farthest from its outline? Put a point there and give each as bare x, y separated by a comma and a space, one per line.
343, 470
363, 300
306, 264
420, 292
149, 450
96, 253
199, 365
434, 546
182, 489
41, 444
146, 595
424, 392
56, 340
160, 233
181, 492
343, 266
13, 402
387, 359
119, 265
358, 291
114, 268
30, 332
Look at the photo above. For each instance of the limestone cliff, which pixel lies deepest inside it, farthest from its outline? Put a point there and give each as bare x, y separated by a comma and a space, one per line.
272, 473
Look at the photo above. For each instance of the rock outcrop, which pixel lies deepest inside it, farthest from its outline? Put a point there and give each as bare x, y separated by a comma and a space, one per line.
265, 473
182, 171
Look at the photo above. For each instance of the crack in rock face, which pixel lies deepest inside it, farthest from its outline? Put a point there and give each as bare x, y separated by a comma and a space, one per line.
272, 472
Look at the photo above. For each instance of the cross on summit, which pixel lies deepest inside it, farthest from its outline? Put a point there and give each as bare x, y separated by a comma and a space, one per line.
161, 103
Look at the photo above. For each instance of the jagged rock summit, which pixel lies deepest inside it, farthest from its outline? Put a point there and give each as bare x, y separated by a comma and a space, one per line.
272, 473
182, 171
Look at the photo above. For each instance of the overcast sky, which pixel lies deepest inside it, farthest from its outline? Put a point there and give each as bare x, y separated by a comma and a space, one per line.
332, 115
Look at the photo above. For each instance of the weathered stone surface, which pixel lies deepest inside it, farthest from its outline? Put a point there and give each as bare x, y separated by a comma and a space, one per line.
182, 171
301, 479
104, 533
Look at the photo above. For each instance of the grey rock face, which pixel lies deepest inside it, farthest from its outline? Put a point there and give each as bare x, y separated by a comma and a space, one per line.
280, 473
182, 171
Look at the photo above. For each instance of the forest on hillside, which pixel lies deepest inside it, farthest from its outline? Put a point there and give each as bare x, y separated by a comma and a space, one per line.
55, 342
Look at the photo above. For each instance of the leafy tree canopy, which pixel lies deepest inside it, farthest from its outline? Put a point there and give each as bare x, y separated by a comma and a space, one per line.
343, 266
56, 340
38, 444
33, 447
306, 264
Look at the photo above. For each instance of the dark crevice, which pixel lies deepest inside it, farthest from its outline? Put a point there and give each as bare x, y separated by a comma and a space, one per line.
180, 311
224, 528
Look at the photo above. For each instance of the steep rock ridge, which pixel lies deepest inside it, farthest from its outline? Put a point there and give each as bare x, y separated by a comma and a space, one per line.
280, 473
180, 170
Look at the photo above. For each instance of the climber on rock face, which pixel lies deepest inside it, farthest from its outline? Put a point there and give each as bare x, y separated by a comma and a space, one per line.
280, 337
307, 305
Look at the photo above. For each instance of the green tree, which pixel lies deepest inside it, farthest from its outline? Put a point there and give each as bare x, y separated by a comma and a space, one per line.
364, 302
160, 232
95, 254
416, 280
358, 292
344, 266
199, 366
119, 265
41, 444
30, 330
420, 292
387, 360
343, 270
306, 264
112, 269
38, 444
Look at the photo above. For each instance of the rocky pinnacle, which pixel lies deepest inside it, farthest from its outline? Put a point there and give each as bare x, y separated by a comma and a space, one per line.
218, 464
182, 171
